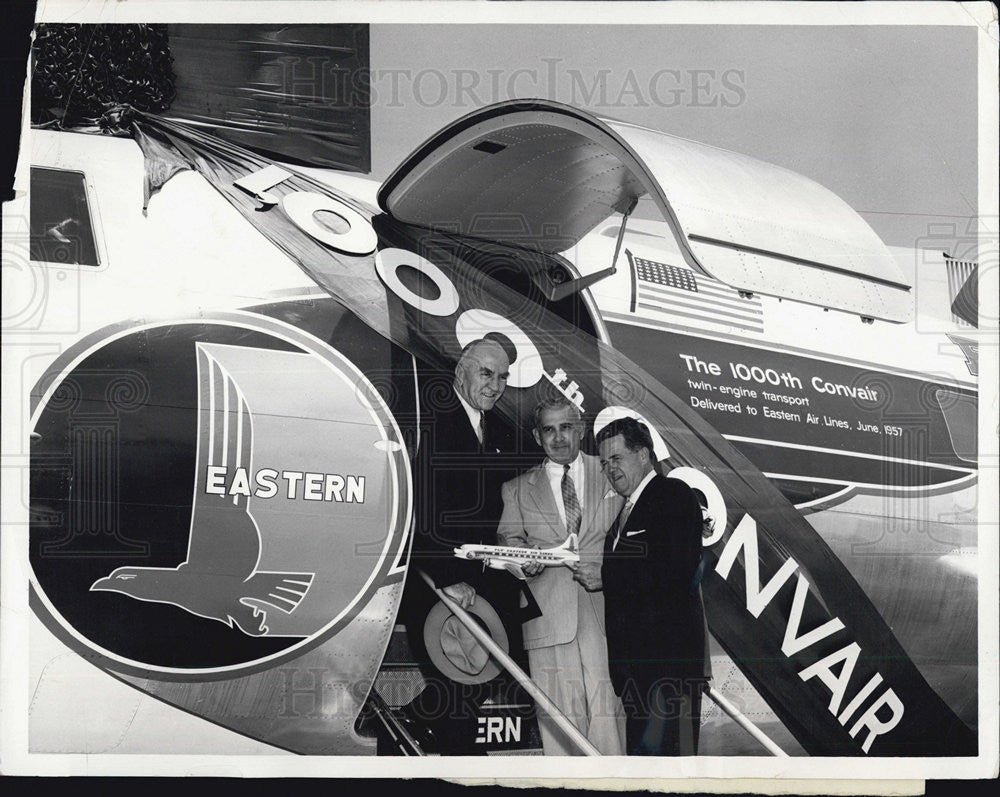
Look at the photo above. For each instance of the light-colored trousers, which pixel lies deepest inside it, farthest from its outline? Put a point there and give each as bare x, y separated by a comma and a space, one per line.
575, 677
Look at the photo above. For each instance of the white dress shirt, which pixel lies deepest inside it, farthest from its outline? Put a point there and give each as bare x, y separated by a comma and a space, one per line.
554, 473
640, 487
630, 502
475, 414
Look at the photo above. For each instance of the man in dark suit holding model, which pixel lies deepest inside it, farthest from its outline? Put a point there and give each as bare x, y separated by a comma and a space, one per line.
654, 617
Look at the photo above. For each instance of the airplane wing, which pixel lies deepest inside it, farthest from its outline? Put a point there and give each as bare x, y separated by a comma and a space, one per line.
515, 569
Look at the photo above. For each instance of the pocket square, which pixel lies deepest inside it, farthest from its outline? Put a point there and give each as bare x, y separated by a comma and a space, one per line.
633, 533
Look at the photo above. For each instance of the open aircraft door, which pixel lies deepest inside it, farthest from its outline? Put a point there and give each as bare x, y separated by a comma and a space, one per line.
543, 175
540, 176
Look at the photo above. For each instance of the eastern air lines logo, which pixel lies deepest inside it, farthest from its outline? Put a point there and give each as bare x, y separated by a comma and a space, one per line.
221, 578
245, 504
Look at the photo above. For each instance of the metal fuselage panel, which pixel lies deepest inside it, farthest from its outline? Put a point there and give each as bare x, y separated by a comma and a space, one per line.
887, 478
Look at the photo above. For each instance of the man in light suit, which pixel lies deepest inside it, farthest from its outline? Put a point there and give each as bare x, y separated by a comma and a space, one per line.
566, 646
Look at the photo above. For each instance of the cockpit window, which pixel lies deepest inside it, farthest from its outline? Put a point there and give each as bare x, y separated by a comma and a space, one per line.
62, 228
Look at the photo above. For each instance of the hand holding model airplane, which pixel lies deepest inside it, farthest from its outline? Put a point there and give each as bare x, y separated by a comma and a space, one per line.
514, 559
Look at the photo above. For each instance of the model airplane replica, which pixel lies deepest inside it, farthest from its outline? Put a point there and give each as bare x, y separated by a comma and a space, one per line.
513, 559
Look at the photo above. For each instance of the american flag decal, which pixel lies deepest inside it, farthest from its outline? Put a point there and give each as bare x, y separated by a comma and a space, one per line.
680, 294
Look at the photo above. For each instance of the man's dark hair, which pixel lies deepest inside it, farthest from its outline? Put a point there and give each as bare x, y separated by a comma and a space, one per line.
634, 433
557, 403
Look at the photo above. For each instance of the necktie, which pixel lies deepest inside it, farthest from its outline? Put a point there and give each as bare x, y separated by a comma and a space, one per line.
622, 518
570, 503
481, 429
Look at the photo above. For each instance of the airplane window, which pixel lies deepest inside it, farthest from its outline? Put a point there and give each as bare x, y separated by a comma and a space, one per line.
62, 230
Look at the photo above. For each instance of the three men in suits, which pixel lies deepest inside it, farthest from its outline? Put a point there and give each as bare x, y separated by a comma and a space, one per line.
567, 649
653, 608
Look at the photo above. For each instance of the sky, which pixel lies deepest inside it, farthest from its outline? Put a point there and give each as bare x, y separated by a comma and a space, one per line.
884, 116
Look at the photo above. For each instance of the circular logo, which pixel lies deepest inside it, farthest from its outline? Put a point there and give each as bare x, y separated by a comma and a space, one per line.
213, 495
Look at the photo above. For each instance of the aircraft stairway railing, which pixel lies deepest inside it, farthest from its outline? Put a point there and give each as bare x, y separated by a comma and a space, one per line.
744, 723
397, 731
542, 700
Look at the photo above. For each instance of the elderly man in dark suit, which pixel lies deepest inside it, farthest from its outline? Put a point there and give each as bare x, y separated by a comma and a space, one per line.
654, 616
459, 470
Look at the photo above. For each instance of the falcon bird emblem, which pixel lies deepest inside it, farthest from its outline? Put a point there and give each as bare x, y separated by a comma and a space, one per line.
219, 578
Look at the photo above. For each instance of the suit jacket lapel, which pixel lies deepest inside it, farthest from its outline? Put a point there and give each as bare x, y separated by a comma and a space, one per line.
636, 519
541, 494
464, 436
618, 529
594, 491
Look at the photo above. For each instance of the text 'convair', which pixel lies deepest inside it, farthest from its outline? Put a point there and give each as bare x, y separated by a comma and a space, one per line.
881, 713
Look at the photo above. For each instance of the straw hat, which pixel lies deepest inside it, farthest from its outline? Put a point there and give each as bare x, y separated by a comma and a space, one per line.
454, 650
